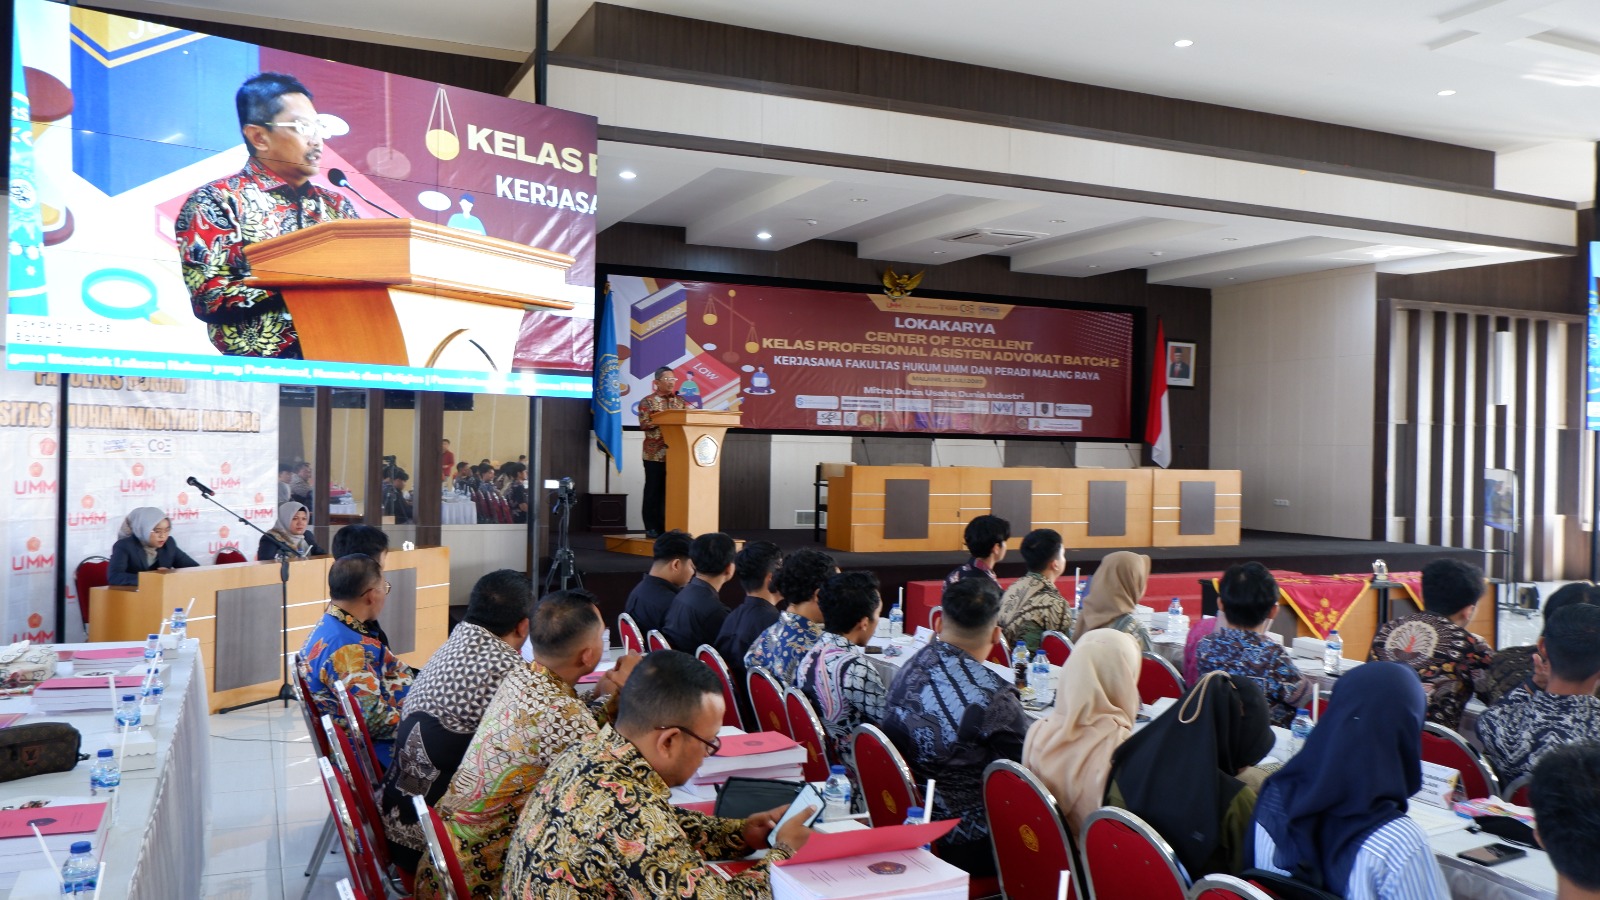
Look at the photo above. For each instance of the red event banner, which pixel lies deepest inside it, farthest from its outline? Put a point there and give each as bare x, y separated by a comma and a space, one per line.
812, 360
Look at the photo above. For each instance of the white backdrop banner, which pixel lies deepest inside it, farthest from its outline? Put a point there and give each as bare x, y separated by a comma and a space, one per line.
133, 442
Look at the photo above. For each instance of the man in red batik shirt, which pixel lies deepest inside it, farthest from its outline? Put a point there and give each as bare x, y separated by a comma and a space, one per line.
664, 397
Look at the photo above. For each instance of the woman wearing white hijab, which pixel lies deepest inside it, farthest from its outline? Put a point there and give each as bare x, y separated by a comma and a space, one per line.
291, 528
144, 544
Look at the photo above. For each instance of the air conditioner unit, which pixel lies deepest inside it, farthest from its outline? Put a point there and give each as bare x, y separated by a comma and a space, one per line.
990, 237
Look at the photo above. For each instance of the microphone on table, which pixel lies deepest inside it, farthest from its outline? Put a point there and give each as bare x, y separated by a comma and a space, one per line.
336, 177
195, 483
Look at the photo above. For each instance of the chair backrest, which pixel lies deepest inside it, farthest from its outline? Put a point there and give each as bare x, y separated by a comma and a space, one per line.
301, 685
632, 637
230, 555
1226, 887
709, 655
92, 572
1000, 653
360, 738
885, 779
1127, 860
1444, 747
655, 640
1282, 887
365, 794
1031, 847
1157, 678
1517, 791
935, 616
441, 850
363, 863
807, 731
1057, 647
766, 698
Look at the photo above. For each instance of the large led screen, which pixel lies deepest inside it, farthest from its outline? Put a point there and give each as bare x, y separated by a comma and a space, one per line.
187, 206
813, 360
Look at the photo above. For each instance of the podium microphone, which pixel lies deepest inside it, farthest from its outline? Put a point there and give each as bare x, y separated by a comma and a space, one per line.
195, 483
336, 177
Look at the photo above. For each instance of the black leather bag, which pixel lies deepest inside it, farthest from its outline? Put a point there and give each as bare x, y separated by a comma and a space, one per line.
38, 749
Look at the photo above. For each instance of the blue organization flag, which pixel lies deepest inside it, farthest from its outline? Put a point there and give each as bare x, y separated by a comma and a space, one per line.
607, 401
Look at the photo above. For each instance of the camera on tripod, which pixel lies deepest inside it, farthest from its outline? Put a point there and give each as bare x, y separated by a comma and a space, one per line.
565, 490
563, 562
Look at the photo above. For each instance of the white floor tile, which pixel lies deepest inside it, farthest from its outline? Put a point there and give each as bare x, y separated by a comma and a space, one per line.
294, 880
235, 850
245, 775
302, 803
292, 772
243, 809
297, 840
241, 748
262, 885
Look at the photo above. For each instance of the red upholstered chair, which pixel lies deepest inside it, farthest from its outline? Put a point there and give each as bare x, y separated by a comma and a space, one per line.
357, 851
93, 572
632, 637
1032, 849
1127, 860
766, 698
1226, 887
300, 684
441, 850
356, 730
365, 793
807, 731
1000, 653
935, 616
709, 655
1444, 747
1057, 647
230, 555
1157, 678
1517, 791
655, 640
885, 779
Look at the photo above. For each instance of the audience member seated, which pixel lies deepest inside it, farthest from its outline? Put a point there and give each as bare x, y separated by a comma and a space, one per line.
1335, 815
1198, 632
369, 540
697, 613
1513, 666
395, 502
950, 716
1528, 723
144, 544
627, 839
1113, 595
1452, 662
293, 520
754, 566
1247, 603
446, 702
985, 538
780, 648
342, 647
300, 484
670, 570
841, 682
1032, 605
1197, 750
285, 476
1565, 793
534, 716
1097, 700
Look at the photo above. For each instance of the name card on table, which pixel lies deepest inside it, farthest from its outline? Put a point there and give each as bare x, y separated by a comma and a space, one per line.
1438, 785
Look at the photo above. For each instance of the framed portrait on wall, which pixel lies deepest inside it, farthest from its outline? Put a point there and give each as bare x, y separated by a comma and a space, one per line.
1180, 364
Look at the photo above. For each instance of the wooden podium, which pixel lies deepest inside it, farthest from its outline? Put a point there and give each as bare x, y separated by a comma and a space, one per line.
694, 473
404, 292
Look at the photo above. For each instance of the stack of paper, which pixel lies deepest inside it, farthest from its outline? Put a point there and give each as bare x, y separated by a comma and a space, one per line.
765, 754
903, 873
65, 695
61, 825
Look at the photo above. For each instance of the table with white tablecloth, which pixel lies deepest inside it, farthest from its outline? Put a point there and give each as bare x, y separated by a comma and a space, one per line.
156, 847
458, 512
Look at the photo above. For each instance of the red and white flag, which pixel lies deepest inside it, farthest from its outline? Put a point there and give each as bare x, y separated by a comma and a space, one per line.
1157, 421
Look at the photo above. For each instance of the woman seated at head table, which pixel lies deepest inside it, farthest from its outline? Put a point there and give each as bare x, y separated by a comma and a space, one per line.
145, 544
293, 520
1199, 750
1114, 594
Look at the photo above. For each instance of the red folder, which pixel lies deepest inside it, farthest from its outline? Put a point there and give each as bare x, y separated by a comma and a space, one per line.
77, 818
823, 846
109, 653
758, 742
88, 681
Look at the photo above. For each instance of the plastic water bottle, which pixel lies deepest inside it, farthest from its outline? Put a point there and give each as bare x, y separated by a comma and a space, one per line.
151, 690
1043, 680
180, 624
897, 621
105, 776
1300, 730
128, 713
1177, 622
1077, 595
152, 650
80, 871
1333, 653
914, 817
1019, 664
836, 794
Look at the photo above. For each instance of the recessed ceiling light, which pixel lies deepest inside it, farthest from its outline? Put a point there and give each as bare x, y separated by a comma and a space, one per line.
1157, 252
1058, 221
938, 253
1183, 43
1230, 239
1094, 266
627, 175
1447, 93
763, 235
858, 199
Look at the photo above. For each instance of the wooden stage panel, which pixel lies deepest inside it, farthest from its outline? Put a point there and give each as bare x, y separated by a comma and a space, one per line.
1075, 507
1166, 508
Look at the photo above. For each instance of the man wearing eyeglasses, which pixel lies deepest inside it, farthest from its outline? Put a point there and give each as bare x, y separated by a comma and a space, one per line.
272, 195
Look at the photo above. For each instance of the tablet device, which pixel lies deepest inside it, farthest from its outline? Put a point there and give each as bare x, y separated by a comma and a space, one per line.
1492, 854
809, 796
742, 797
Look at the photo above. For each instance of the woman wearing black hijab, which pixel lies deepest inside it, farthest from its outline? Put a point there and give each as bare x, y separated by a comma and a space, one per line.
1181, 772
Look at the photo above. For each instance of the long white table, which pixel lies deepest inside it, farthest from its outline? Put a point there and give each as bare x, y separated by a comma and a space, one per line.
156, 847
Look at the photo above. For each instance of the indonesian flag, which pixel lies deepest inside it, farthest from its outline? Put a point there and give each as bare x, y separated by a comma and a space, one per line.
1157, 427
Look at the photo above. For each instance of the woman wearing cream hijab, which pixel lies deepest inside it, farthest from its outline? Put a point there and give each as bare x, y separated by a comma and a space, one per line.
1097, 699
1114, 593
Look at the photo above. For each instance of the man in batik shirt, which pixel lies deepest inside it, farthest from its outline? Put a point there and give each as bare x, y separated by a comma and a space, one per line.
653, 507
534, 716
840, 681
1452, 662
1248, 601
1032, 605
780, 648
343, 646
601, 822
1531, 721
272, 195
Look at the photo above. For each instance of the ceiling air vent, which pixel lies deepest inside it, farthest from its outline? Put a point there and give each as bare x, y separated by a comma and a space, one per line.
989, 237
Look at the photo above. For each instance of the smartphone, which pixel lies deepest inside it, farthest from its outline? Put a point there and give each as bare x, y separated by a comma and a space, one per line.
808, 796
1492, 854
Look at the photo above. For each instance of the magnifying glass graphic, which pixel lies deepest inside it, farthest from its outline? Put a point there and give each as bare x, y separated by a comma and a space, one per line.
122, 294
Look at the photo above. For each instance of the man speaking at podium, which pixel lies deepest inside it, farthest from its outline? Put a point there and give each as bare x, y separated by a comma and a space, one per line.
270, 196
664, 397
